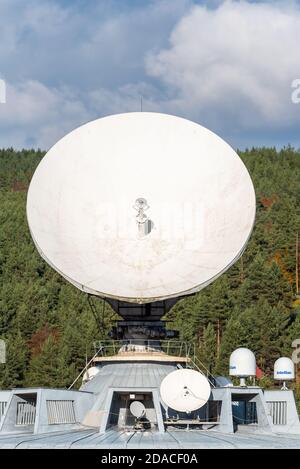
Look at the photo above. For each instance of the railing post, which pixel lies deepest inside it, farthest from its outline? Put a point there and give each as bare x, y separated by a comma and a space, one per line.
85, 368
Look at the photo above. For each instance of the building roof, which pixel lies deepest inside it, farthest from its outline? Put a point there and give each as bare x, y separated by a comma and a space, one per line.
128, 375
87, 438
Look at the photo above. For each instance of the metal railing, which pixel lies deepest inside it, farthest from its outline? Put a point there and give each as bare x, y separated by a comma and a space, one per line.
197, 365
85, 368
26, 412
176, 348
173, 347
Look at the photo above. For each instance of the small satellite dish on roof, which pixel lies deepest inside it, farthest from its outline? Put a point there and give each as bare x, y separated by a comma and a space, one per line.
223, 382
185, 390
90, 373
141, 207
137, 409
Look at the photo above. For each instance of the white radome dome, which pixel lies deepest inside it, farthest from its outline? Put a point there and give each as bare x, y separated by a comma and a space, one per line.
242, 363
284, 369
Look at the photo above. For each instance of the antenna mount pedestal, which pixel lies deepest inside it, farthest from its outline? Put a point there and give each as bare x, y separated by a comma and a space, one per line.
141, 321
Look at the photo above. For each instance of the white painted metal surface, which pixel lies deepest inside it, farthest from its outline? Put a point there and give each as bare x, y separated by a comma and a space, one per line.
242, 363
278, 412
185, 390
137, 409
60, 412
81, 213
26, 412
90, 373
284, 369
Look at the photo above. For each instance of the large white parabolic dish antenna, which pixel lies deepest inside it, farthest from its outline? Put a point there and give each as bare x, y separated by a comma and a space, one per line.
185, 390
86, 217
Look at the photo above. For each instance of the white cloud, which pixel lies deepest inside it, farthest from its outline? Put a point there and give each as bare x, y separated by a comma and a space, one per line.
92, 44
229, 66
37, 116
234, 64
64, 65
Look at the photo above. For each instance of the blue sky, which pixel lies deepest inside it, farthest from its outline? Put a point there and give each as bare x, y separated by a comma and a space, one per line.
228, 65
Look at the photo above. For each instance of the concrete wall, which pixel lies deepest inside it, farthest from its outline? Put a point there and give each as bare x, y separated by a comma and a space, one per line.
8, 423
292, 418
229, 394
83, 401
4, 398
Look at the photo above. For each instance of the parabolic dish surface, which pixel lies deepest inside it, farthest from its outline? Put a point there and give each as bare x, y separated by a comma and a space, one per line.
82, 215
185, 390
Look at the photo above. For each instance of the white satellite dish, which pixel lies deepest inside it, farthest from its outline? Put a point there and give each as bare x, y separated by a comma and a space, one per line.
90, 373
137, 409
141, 207
185, 390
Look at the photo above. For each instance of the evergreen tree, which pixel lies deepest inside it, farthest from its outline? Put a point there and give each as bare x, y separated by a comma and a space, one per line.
12, 372
253, 304
45, 368
207, 350
260, 328
234, 336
